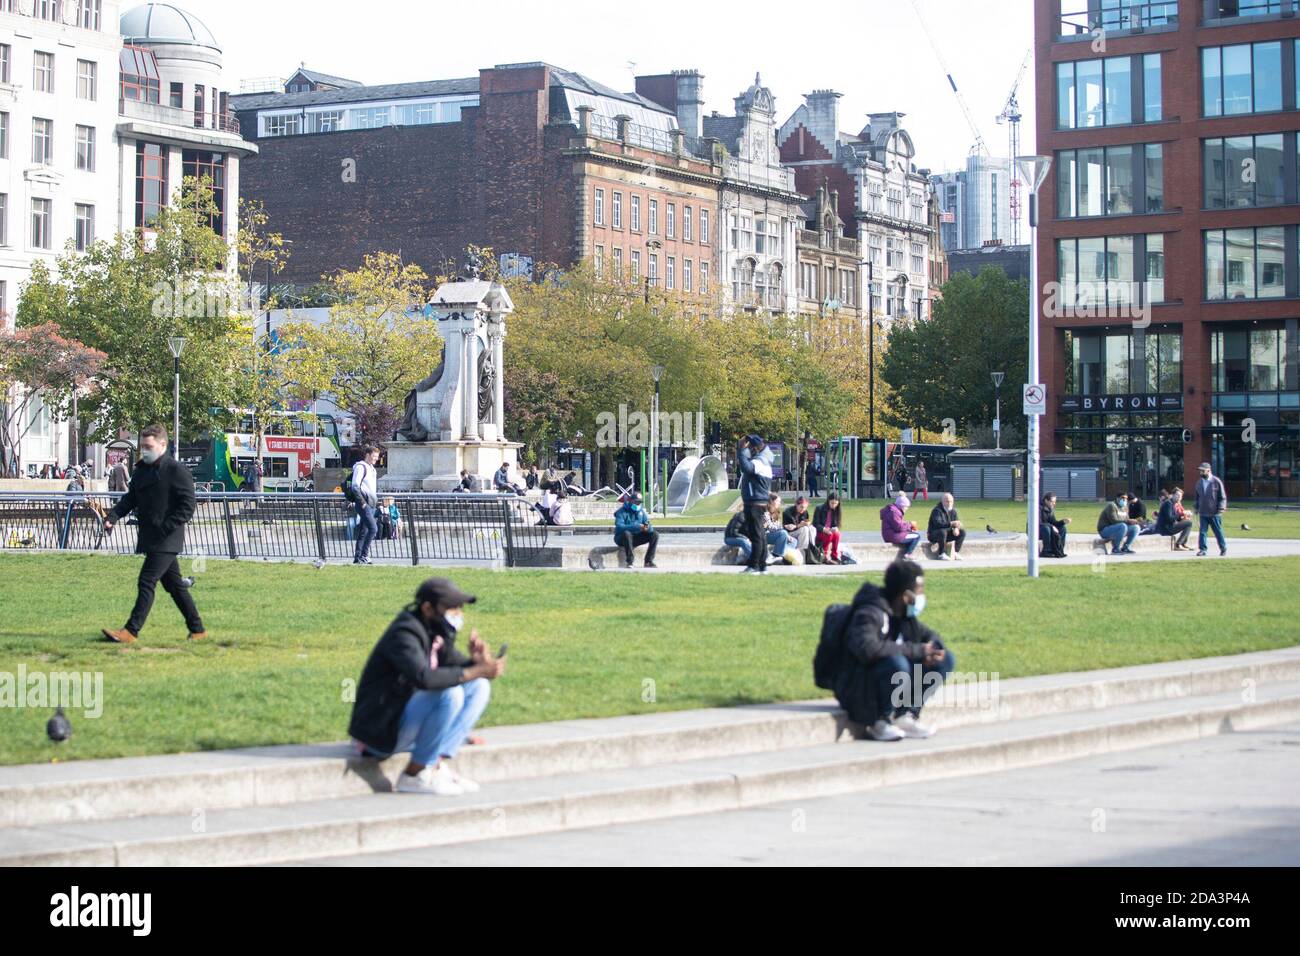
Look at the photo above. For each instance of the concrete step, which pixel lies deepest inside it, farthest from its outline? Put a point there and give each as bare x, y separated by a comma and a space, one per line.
40, 794
560, 801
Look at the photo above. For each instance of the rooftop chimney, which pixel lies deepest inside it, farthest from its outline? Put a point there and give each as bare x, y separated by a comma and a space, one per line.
690, 101
824, 116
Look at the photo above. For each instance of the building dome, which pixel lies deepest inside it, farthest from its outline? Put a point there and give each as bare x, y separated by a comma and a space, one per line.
165, 23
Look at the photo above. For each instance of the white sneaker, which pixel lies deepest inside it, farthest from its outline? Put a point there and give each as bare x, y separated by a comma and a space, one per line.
465, 783
437, 782
941, 557
911, 727
884, 730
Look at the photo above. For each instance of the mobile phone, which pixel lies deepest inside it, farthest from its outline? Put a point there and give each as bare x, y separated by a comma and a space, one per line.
505, 648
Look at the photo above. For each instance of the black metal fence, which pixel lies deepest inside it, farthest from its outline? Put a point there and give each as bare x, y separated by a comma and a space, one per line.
446, 527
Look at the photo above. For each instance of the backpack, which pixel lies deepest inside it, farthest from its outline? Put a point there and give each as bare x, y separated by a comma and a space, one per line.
826, 662
349, 490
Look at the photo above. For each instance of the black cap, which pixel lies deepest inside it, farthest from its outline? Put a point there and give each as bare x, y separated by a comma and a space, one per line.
442, 591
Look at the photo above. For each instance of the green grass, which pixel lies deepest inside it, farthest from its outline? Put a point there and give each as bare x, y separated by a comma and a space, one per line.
286, 638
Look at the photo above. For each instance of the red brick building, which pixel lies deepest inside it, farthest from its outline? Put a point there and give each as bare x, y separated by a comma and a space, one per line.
1168, 239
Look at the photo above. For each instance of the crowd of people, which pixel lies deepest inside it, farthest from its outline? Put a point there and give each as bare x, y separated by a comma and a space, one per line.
1126, 518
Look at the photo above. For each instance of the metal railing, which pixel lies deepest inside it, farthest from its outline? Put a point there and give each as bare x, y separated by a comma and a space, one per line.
433, 527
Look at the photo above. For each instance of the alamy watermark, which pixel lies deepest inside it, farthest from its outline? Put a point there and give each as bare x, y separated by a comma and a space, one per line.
70, 690
1121, 301
631, 429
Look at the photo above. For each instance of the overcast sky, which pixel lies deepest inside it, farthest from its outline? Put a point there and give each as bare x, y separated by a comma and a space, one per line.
872, 51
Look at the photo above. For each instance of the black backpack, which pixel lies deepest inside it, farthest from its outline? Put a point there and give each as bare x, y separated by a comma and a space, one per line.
350, 491
826, 662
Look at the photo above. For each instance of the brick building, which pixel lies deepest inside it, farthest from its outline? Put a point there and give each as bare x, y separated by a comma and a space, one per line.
1169, 224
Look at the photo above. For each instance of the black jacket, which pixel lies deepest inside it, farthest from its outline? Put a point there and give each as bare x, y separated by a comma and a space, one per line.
736, 526
791, 518
398, 667
941, 519
754, 487
1047, 516
871, 636
824, 517
162, 497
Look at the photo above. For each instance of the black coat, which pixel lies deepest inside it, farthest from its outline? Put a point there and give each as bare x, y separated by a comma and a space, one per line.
941, 519
824, 517
398, 667
162, 497
871, 636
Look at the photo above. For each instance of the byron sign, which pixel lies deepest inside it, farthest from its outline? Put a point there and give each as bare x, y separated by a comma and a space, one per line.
1118, 404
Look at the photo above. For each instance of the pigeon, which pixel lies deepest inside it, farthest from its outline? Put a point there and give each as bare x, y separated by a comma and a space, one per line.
591, 563
990, 529
1245, 527
187, 582
318, 564
58, 728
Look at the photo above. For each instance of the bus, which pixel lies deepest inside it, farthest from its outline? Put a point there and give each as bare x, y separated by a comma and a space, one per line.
292, 447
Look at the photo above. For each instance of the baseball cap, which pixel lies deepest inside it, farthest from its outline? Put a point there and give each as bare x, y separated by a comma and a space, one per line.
1205, 466
442, 591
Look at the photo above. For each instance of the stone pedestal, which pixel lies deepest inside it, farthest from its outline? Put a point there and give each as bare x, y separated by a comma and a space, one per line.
436, 465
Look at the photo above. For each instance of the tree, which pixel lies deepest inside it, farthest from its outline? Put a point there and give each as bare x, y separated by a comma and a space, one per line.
372, 349
941, 368
38, 362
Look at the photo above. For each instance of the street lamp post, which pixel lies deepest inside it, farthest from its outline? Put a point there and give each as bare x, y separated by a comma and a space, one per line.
871, 347
176, 344
658, 373
997, 414
1035, 169
798, 435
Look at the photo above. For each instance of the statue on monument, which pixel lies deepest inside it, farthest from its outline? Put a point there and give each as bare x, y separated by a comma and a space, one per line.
411, 428
487, 376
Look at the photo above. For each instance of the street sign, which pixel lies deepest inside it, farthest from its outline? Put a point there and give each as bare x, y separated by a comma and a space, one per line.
997, 424
1035, 399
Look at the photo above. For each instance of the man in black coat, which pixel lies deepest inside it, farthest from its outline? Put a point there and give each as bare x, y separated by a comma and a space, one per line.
162, 496
418, 693
889, 660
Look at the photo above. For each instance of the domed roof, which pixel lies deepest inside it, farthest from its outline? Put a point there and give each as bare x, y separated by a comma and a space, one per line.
165, 23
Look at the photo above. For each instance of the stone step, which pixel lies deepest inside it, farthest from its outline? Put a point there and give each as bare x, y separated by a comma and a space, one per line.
202, 836
41, 794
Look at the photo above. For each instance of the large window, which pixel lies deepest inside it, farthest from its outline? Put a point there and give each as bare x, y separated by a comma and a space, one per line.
599, 208
42, 141
4, 226
84, 233
1124, 362
1245, 171
139, 75
201, 164
85, 160
617, 221
1110, 181
40, 235
1260, 357
289, 124
636, 213
87, 80
654, 217
150, 182
1111, 272
704, 234
4, 135
1113, 91
43, 72
1246, 263
88, 14
6, 59
1245, 78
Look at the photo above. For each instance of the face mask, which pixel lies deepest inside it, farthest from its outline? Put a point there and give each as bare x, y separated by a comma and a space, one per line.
455, 619
916, 609
149, 455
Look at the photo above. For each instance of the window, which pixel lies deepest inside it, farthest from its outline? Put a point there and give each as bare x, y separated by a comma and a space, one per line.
284, 125
1103, 92
42, 141
670, 277
322, 121
1115, 272
735, 232
760, 237
418, 114
1246, 263
84, 231
686, 223
198, 105
176, 96
670, 224
1245, 171
88, 14
40, 238
139, 74
600, 207
654, 217
1110, 181
600, 261
4, 135
636, 213
43, 72
704, 274
86, 148
636, 263
4, 226
618, 211
1261, 358
654, 267
848, 287
150, 182
1153, 176
807, 280
371, 117
1245, 78
201, 164
6, 57
87, 80
686, 274
618, 263
704, 230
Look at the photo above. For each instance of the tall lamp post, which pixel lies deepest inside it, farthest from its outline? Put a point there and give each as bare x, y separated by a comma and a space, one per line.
176, 344
1035, 169
997, 415
658, 373
797, 388
871, 348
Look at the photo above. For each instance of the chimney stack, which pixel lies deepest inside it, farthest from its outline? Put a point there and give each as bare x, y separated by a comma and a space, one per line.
690, 101
824, 116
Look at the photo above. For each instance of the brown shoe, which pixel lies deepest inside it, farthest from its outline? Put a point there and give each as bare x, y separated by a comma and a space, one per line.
122, 636
198, 635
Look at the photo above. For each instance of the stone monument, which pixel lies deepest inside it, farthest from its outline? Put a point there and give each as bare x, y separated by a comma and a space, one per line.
455, 418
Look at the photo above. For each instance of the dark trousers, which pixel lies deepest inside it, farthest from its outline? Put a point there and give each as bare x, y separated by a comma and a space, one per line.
367, 530
627, 540
1053, 538
812, 486
903, 686
754, 514
162, 566
1181, 530
940, 539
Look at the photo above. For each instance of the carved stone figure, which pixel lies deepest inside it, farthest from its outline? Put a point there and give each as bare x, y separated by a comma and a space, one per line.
410, 428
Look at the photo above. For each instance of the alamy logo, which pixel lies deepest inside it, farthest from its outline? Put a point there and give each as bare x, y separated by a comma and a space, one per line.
71, 690
73, 909
632, 429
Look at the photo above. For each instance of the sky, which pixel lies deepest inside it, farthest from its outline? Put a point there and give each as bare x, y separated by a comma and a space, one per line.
875, 52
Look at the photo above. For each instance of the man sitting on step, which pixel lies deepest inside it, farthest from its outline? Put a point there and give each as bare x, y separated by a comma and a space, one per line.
890, 662
632, 528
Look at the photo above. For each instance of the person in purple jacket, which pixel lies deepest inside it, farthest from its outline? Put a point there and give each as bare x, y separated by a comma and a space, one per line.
896, 530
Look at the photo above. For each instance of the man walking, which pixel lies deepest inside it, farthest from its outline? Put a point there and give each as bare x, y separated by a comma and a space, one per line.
1211, 503
118, 477
365, 484
161, 494
755, 487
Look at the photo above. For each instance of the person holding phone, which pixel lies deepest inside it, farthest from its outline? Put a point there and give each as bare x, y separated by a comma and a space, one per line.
421, 695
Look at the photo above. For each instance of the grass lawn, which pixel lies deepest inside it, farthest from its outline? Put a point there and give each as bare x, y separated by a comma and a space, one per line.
287, 638
1266, 521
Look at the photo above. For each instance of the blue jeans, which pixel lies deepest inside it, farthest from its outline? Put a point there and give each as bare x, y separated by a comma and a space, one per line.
1120, 535
741, 545
367, 528
436, 722
777, 540
896, 679
909, 543
1211, 523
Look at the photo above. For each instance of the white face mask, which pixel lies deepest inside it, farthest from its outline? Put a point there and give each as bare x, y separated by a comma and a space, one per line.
455, 619
150, 455
917, 608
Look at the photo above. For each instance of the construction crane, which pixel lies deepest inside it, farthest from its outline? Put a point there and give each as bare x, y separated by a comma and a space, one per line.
1011, 116
980, 148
